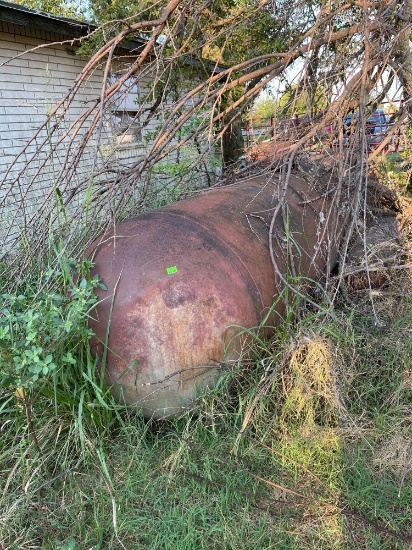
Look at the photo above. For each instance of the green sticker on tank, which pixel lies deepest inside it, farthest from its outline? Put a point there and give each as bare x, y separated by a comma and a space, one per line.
170, 270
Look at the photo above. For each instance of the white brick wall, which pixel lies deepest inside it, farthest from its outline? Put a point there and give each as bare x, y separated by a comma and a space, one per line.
32, 82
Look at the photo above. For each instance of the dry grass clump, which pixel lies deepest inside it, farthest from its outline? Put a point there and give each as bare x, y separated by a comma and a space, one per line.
311, 386
376, 270
378, 250
395, 452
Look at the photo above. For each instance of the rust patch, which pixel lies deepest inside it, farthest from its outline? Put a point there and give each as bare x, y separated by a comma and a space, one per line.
176, 295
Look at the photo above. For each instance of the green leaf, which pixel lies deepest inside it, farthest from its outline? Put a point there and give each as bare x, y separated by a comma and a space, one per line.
8, 380
102, 286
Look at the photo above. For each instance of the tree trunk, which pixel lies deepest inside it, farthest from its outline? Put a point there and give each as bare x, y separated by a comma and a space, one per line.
232, 141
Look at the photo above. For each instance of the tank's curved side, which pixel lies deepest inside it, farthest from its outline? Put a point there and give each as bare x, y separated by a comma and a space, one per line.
182, 279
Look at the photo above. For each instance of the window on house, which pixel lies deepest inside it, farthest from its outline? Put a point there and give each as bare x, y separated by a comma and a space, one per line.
127, 128
124, 115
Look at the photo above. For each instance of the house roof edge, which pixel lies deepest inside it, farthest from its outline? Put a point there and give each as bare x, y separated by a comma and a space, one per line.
27, 17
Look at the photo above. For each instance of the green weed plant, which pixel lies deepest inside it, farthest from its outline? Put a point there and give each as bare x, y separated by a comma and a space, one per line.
40, 331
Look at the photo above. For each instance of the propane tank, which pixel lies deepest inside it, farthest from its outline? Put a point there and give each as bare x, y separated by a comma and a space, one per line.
184, 280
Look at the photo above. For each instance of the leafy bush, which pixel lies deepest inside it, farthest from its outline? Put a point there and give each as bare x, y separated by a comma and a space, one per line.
41, 330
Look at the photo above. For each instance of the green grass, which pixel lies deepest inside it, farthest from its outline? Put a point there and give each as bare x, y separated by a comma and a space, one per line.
316, 467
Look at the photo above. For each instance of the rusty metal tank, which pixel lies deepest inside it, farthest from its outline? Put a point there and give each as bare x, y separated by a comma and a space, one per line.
184, 279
